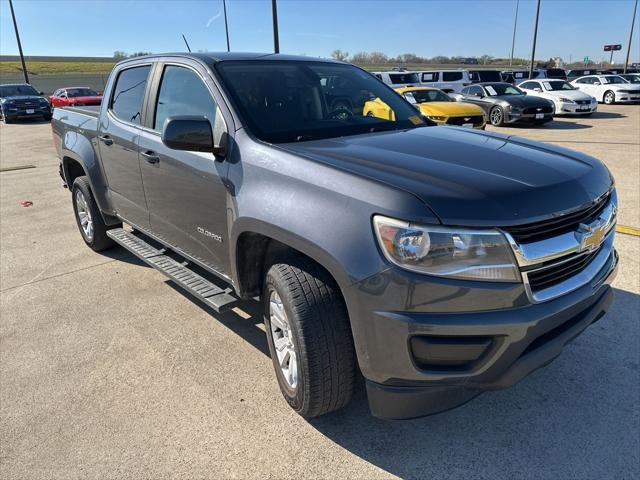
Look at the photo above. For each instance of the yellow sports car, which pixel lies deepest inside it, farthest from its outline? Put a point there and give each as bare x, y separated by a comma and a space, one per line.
433, 104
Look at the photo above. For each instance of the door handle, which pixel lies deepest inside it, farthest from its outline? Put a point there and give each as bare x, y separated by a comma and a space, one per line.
106, 139
150, 157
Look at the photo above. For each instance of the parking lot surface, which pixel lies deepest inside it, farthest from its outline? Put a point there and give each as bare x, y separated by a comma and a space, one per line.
106, 370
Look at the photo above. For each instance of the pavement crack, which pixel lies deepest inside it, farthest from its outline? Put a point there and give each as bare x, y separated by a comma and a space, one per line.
38, 280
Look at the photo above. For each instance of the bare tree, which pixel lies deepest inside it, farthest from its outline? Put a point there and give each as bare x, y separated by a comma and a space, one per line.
340, 55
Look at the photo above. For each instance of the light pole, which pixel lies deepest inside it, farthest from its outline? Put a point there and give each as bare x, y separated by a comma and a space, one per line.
276, 41
513, 41
15, 26
633, 21
226, 26
535, 37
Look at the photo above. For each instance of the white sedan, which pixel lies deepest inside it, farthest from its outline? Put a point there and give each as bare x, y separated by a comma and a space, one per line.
565, 97
608, 88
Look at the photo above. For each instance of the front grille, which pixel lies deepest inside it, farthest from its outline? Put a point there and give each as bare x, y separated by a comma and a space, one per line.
26, 104
583, 102
558, 272
476, 120
553, 227
532, 110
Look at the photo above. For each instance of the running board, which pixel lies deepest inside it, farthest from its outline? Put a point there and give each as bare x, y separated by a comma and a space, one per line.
217, 298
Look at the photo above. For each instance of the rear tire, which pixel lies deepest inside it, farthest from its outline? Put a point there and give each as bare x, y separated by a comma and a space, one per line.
89, 218
305, 315
609, 97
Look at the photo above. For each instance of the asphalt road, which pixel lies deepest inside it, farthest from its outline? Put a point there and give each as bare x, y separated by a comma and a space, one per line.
107, 371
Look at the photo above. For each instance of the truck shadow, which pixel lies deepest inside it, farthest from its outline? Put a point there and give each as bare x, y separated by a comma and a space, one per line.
561, 417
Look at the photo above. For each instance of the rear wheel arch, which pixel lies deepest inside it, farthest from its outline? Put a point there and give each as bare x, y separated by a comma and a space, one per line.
72, 170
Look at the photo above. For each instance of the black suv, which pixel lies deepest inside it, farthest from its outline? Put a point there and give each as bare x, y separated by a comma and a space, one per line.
22, 101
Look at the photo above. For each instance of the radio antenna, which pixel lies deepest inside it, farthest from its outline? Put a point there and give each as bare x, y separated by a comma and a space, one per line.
186, 43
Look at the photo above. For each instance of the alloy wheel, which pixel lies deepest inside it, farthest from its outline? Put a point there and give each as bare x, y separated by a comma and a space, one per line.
282, 336
84, 215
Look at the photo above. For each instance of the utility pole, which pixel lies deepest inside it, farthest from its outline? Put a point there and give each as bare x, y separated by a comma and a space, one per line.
535, 37
513, 41
633, 21
226, 25
15, 26
276, 41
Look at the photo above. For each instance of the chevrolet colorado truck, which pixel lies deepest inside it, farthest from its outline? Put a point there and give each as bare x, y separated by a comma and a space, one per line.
438, 261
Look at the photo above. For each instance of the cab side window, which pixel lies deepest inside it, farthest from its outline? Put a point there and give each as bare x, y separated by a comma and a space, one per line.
182, 92
128, 94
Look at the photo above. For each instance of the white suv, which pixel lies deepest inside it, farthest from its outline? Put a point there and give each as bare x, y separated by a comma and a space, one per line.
448, 81
398, 79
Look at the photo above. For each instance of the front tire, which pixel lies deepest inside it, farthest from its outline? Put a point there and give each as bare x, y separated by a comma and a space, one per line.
89, 218
496, 117
309, 337
609, 97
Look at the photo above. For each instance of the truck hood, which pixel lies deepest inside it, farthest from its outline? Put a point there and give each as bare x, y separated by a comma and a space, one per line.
469, 178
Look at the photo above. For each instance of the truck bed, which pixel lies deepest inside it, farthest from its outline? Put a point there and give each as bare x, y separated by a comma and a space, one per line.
89, 110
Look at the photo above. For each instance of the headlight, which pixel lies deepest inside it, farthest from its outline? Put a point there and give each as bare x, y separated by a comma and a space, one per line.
447, 252
565, 100
43, 101
515, 109
436, 118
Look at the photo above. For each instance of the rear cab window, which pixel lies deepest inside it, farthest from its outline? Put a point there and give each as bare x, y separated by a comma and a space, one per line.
128, 94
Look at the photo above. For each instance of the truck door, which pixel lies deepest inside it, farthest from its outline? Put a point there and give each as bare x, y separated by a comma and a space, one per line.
119, 136
185, 190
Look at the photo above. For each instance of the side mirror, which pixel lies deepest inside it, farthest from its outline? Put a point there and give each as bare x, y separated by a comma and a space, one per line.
537, 89
192, 133
40, 93
479, 95
596, 83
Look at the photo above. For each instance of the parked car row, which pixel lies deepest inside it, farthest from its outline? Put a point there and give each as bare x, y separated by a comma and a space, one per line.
454, 80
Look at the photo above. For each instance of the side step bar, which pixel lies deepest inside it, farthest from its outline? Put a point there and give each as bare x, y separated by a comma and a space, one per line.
217, 298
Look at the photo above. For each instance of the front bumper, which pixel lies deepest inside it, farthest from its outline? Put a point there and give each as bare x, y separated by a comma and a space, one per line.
575, 109
517, 337
14, 113
627, 97
527, 118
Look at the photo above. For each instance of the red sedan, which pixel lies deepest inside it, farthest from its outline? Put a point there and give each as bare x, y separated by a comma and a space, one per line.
68, 97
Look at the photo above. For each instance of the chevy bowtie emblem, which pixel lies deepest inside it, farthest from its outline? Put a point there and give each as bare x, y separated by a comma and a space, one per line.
591, 236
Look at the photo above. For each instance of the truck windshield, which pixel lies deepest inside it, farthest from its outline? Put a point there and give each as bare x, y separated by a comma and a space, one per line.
289, 101
16, 90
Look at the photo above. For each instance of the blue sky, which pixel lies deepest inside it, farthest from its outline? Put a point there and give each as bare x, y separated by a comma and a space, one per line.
426, 27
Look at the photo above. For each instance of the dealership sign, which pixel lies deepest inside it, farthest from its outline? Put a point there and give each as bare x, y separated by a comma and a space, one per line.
612, 48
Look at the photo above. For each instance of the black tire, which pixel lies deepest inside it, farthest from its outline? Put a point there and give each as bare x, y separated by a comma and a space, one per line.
5, 119
609, 97
320, 332
496, 116
47, 118
99, 240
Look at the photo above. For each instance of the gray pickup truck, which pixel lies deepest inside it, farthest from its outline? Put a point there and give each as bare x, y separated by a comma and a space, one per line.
438, 261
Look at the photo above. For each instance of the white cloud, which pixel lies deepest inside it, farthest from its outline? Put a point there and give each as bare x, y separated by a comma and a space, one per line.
213, 19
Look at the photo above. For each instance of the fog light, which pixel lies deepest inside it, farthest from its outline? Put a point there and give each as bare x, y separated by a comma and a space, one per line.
448, 353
